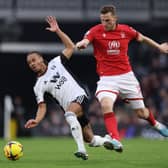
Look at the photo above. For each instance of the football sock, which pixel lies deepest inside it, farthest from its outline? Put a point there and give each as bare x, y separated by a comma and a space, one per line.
111, 125
151, 119
75, 130
158, 125
97, 141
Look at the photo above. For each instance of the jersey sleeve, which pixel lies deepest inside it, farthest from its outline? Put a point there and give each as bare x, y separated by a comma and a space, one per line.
64, 59
39, 94
89, 34
132, 33
61, 57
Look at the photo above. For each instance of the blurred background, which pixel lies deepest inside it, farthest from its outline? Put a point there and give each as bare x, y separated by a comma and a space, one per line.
22, 29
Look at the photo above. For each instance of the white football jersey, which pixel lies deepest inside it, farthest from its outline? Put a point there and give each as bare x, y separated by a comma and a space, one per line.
58, 82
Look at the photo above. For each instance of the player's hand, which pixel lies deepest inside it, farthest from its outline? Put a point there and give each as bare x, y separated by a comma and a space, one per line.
51, 20
164, 48
81, 45
31, 123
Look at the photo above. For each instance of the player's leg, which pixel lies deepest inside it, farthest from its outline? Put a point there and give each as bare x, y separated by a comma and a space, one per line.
88, 135
133, 95
147, 115
107, 96
71, 114
109, 117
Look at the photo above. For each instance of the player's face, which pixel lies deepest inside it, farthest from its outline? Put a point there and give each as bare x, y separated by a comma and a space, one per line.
108, 21
36, 63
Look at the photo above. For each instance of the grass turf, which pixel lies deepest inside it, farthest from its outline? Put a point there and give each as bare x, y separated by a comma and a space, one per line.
58, 153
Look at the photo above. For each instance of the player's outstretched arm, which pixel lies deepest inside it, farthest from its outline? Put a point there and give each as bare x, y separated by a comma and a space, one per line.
69, 45
163, 47
82, 44
39, 116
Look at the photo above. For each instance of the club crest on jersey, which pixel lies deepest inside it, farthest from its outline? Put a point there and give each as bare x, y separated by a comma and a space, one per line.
122, 35
113, 47
104, 35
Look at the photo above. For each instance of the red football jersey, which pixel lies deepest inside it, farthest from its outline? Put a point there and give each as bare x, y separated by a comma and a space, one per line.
111, 47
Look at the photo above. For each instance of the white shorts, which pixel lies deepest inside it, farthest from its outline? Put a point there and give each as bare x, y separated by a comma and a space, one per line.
126, 86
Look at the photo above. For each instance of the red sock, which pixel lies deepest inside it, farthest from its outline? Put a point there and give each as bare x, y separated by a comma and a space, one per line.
111, 125
151, 118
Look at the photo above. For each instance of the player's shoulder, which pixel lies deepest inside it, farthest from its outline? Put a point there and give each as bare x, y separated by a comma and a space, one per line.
123, 26
55, 59
58, 60
54, 62
97, 27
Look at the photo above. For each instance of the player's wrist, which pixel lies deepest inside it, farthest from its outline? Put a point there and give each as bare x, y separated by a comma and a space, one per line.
37, 121
58, 30
81, 45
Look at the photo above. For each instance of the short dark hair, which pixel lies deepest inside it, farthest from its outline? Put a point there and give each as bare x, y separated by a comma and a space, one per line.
35, 52
108, 8
40, 55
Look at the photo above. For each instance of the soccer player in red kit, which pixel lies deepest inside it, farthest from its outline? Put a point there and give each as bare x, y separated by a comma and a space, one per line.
110, 42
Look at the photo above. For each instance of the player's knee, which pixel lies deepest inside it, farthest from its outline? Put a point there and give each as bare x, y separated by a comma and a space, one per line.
87, 139
76, 108
142, 113
106, 105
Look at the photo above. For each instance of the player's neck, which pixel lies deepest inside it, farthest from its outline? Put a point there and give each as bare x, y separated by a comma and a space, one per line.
112, 28
42, 71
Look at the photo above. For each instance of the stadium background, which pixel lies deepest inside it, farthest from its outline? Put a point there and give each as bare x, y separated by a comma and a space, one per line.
22, 29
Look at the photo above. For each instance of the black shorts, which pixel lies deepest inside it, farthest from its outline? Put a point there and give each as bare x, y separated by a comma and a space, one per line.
84, 102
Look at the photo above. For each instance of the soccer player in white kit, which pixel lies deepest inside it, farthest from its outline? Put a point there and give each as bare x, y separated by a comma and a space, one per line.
55, 79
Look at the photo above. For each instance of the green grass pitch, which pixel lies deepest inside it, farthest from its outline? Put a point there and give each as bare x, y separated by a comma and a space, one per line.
58, 153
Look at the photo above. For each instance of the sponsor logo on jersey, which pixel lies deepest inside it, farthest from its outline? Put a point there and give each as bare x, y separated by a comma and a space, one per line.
58, 80
61, 81
55, 77
113, 47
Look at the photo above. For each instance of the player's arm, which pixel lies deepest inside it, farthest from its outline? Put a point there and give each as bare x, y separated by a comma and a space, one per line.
41, 111
69, 45
82, 44
163, 47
